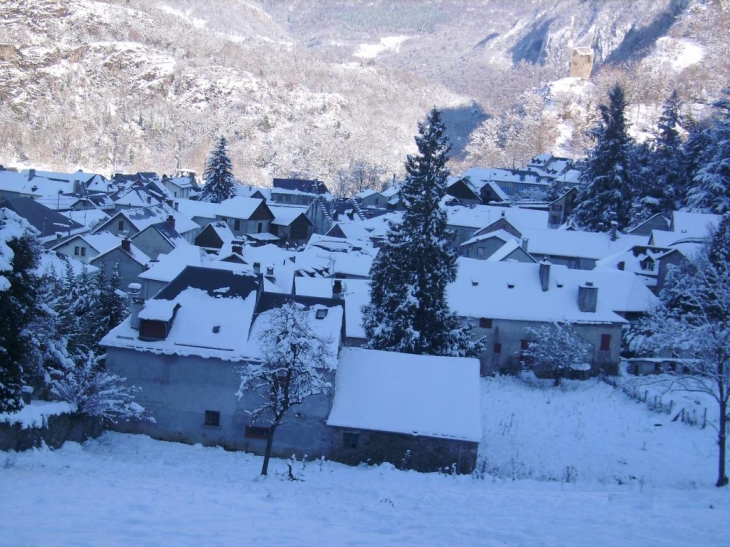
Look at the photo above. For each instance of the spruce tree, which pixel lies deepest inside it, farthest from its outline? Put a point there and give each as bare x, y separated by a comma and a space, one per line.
19, 253
408, 311
607, 186
218, 175
668, 186
711, 183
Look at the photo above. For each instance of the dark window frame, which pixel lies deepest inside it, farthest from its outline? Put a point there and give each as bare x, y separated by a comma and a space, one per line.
257, 432
485, 322
605, 342
350, 439
212, 418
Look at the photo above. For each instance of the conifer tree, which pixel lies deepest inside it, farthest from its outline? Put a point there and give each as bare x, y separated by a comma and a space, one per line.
607, 186
19, 252
408, 311
668, 185
711, 188
218, 175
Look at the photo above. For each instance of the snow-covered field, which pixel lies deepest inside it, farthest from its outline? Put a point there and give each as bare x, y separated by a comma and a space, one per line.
563, 463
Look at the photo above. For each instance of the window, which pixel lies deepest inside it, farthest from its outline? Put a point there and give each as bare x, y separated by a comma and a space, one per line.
497, 347
322, 313
485, 323
212, 418
350, 439
260, 227
480, 251
120, 225
257, 432
605, 342
77, 251
377, 202
237, 224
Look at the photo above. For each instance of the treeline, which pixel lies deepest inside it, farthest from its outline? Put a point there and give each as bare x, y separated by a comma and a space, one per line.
625, 182
51, 325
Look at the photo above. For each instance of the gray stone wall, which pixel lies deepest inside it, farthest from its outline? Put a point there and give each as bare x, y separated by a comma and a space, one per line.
510, 334
177, 391
426, 454
57, 430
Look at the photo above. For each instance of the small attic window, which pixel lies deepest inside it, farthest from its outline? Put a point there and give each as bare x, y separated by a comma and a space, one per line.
322, 313
216, 329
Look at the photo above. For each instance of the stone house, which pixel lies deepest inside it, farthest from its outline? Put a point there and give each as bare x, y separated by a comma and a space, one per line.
159, 238
504, 300
378, 416
128, 223
184, 348
245, 216
128, 258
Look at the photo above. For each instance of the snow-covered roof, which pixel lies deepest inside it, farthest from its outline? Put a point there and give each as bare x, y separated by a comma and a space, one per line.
239, 207
134, 252
512, 290
143, 217
87, 217
327, 326
193, 208
100, 242
284, 215
480, 216
355, 292
136, 197
410, 394
569, 243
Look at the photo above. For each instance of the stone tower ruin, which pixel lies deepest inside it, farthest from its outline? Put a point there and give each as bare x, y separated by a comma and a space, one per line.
581, 62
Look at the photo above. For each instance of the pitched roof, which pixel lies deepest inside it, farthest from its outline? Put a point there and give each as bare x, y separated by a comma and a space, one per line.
43, 219
239, 207
376, 391
306, 186
512, 290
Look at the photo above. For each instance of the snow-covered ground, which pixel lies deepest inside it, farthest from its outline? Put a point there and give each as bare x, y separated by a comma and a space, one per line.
131, 490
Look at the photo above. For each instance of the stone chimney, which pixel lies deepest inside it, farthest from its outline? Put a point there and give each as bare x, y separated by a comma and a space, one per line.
171, 221
136, 303
127, 245
544, 275
237, 246
257, 268
525, 243
31, 174
587, 297
614, 229
337, 289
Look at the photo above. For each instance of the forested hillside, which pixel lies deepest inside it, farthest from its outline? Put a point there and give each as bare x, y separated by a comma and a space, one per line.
320, 88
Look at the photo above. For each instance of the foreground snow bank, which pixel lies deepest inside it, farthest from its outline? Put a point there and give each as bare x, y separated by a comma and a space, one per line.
124, 490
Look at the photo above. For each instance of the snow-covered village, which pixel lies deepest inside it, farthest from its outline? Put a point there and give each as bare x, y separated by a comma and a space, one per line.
502, 341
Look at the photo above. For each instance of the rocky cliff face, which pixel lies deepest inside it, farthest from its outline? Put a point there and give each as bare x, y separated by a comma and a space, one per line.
309, 88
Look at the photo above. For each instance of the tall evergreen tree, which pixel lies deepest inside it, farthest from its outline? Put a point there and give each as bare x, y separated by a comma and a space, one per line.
19, 252
668, 186
408, 311
711, 183
607, 186
218, 175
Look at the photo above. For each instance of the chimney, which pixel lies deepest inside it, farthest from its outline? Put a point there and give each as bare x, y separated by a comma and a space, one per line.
136, 303
127, 245
257, 268
237, 246
149, 199
525, 242
175, 205
31, 174
614, 228
544, 275
171, 221
337, 289
587, 297
504, 213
